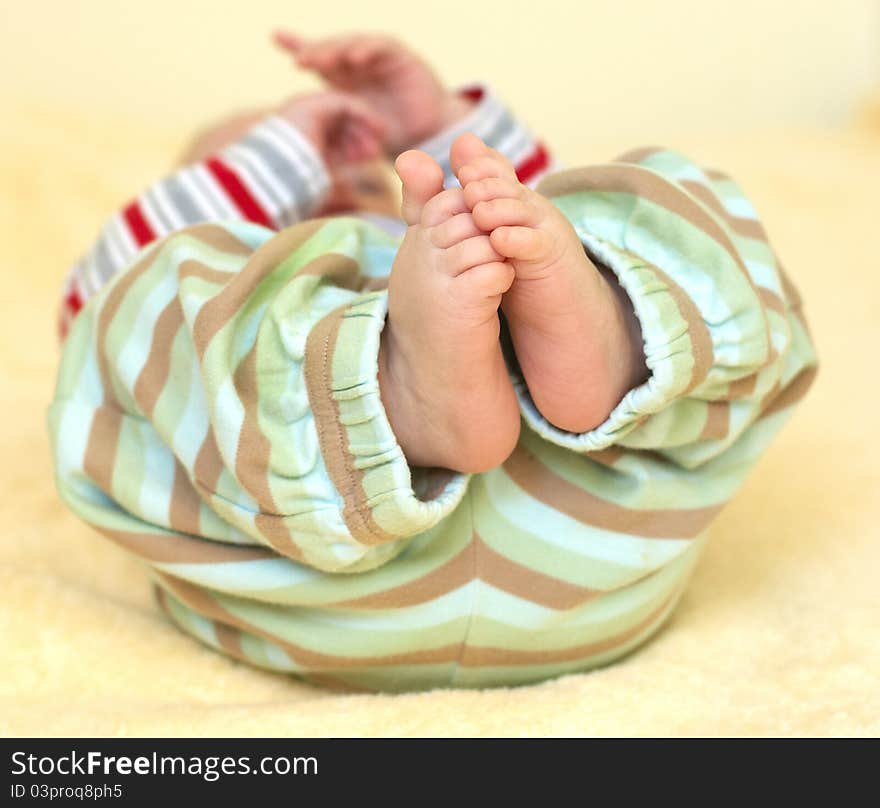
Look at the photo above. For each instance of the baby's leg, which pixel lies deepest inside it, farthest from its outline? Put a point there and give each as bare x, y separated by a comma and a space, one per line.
573, 329
442, 374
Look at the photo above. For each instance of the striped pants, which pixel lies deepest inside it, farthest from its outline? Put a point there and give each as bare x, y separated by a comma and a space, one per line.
217, 413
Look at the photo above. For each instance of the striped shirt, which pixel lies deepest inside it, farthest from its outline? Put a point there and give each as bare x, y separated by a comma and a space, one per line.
217, 413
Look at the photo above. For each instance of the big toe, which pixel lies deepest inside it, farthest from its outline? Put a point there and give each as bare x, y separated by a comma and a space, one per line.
466, 148
422, 180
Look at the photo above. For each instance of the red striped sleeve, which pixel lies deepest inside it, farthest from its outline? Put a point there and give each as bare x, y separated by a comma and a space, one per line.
533, 164
73, 300
70, 307
137, 224
249, 207
474, 93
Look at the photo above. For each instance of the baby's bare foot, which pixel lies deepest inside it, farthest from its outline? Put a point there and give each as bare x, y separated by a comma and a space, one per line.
441, 371
573, 329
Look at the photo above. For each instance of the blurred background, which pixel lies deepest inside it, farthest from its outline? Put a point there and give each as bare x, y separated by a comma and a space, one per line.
635, 69
778, 633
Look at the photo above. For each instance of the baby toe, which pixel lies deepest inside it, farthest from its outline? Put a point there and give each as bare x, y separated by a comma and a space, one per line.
455, 229
492, 213
521, 243
485, 281
443, 206
469, 253
422, 180
485, 166
491, 188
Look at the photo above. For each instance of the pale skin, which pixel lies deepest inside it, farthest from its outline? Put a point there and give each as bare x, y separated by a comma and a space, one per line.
492, 245
468, 252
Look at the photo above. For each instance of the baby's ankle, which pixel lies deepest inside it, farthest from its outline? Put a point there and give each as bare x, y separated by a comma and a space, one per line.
627, 351
400, 400
432, 433
581, 356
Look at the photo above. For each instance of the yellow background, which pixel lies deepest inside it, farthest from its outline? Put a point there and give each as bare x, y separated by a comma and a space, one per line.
638, 69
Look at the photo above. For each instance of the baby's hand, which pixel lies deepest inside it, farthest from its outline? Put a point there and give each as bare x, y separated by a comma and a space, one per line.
341, 127
393, 80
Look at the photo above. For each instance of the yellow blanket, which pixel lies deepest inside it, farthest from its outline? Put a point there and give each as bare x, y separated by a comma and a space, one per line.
779, 632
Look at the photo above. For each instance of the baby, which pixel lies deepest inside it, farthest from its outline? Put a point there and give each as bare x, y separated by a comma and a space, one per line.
482, 446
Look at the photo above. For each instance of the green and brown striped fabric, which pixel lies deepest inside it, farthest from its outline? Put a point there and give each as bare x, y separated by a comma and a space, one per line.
217, 414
